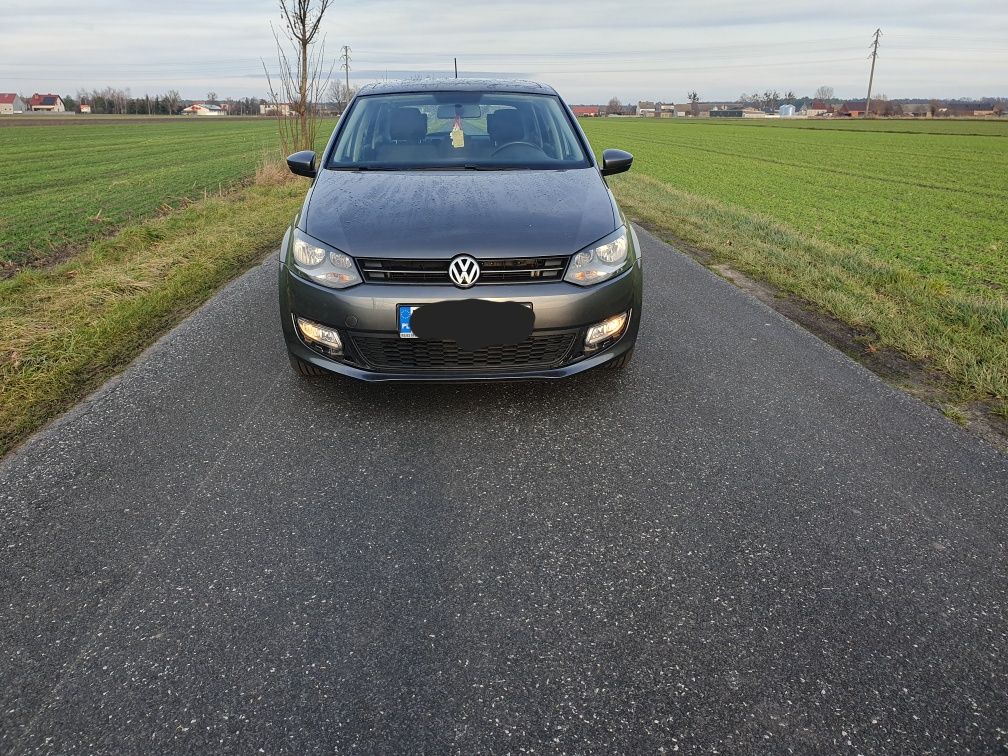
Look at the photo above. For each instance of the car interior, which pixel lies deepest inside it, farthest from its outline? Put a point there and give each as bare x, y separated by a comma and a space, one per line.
416, 135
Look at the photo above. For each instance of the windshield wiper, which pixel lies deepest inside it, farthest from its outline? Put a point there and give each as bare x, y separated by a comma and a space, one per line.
470, 167
451, 167
477, 167
363, 168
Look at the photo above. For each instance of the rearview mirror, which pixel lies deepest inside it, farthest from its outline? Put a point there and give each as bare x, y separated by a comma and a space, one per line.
467, 110
302, 163
615, 161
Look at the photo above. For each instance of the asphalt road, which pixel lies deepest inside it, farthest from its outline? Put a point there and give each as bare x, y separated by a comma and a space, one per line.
744, 542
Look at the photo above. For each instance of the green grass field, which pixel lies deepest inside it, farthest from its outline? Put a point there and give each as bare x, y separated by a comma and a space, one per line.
934, 202
65, 185
898, 227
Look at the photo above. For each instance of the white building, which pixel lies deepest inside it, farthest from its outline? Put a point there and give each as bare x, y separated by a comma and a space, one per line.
203, 109
815, 109
272, 108
648, 109
10, 104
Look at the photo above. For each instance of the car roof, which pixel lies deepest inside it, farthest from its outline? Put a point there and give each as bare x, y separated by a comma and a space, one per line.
460, 85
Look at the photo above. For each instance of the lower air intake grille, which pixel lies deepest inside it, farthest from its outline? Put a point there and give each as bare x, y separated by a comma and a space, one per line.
394, 353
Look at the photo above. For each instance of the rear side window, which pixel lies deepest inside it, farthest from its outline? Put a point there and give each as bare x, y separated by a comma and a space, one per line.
488, 130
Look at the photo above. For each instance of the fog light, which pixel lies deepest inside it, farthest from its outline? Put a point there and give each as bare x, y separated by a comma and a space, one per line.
607, 330
320, 334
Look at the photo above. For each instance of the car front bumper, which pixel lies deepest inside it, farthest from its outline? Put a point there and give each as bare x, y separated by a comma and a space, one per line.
367, 314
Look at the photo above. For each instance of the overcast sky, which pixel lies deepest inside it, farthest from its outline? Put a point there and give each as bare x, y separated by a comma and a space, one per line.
590, 51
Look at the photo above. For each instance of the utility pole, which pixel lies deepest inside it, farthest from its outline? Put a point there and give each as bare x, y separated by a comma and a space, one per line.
456, 68
871, 76
345, 65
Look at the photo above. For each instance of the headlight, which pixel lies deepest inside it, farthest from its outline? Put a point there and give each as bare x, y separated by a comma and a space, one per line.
321, 263
320, 334
605, 331
601, 261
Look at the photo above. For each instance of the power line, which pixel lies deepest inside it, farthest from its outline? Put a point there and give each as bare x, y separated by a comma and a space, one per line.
871, 76
345, 65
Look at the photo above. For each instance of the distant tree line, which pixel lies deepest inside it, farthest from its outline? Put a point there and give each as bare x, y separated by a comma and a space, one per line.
113, 101
771, 98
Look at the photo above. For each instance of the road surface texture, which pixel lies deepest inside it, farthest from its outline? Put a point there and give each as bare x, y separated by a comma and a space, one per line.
744, 542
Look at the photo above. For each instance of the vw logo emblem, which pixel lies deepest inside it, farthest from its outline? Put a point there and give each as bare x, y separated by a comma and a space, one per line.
464, 271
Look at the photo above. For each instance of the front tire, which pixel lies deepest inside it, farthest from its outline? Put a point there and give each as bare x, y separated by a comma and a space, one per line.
620, 361
306, 369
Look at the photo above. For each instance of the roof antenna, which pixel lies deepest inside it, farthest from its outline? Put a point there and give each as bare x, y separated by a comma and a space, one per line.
456, 68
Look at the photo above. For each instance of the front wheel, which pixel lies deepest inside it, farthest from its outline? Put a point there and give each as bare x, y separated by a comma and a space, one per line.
301, 367
620, 361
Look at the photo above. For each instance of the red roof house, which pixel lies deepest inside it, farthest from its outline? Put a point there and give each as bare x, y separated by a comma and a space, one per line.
853, 109
51, 103
10, 103
586, 110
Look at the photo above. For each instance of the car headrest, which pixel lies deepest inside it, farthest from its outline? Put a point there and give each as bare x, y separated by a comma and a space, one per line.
407, 125
505, 126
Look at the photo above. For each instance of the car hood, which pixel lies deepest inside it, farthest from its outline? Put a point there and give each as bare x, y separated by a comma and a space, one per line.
438, 214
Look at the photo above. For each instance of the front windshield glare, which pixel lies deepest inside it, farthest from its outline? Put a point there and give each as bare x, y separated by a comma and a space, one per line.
473, 130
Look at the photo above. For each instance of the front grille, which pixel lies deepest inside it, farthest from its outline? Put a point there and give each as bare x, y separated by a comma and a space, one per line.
492, 270
394, 353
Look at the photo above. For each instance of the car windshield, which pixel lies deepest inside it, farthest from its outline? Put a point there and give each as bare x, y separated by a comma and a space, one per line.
457, 130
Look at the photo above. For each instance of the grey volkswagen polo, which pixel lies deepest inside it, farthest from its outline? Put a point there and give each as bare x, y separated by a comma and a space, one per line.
459, 230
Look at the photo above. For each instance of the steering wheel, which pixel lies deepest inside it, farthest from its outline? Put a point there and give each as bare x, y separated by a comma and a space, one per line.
514, 144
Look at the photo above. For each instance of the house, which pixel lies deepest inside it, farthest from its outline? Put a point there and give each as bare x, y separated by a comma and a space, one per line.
726, 113
85, 108
203, 109
815, 109
46, 103
10, 104
916, 110
586, 111
853, 109
272, 108
648, 109
703, 109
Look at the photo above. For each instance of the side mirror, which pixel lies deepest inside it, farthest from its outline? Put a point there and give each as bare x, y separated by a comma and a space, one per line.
302, 163
613, 161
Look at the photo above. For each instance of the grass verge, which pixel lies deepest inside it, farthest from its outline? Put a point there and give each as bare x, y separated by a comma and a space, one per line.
70, 327
962, 336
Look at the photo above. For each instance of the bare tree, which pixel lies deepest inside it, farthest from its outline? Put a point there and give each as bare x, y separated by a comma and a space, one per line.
171, 100
879, 105
119, 99
340, 94
301, 80
211, 97
824, 93
694, 98
614, 106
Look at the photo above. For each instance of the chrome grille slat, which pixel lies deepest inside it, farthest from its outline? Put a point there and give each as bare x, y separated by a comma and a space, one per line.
493, 270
